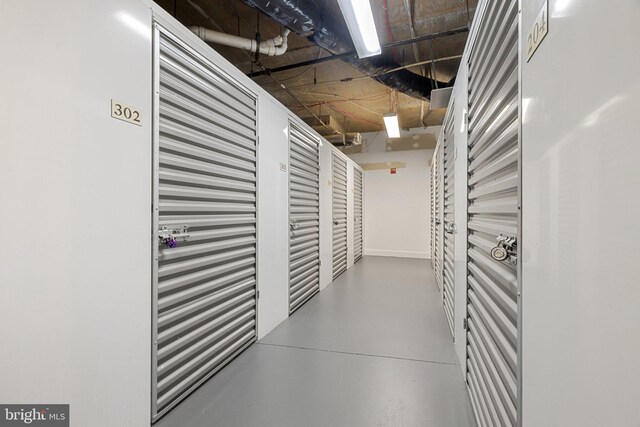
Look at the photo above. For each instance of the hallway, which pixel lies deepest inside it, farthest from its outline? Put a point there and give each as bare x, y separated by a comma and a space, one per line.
373, 349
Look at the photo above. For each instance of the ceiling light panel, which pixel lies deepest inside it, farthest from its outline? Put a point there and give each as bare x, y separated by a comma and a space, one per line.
359, 18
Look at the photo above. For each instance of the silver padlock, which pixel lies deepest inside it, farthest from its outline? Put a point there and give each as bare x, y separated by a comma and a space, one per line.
499, 253
505, 249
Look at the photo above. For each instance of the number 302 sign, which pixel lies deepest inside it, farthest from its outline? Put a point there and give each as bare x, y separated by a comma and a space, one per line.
126, 113
538, 31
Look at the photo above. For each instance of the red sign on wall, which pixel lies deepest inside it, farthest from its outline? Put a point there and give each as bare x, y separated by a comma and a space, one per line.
392, 171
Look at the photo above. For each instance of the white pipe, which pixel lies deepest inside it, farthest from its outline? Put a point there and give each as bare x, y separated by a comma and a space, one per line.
272, 47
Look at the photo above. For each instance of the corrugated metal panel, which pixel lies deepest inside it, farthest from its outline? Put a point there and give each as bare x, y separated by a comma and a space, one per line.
448, 219
438, 216
304, 216
205, 180
432, 198
357, 214
339, 173
492, 335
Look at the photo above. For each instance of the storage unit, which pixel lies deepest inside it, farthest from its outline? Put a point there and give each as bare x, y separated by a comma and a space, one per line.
437, 228
493, 217
177, 219
304, 215
432, 212
491, 319
339, 212
535, 277
357, 213
205, 220
448, 221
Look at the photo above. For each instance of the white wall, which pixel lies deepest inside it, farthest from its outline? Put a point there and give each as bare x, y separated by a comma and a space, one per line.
75, 190
580, 208
397, 207
326, 225
273, 218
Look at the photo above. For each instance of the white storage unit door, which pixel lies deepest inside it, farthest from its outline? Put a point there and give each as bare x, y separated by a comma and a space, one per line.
357, 214
304, 216
437, 216
448, 219
204, 269
339, 172
493, 285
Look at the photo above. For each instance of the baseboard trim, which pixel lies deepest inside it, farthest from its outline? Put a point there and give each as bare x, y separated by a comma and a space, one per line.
397, 254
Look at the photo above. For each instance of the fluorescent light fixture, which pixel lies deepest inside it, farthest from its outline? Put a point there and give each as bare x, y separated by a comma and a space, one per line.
359, 18
391, 123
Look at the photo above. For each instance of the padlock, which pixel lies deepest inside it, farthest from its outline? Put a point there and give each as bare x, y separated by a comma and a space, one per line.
505, 249
170, 242
499, 253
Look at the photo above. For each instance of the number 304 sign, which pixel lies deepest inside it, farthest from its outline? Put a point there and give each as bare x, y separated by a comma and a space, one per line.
126, 113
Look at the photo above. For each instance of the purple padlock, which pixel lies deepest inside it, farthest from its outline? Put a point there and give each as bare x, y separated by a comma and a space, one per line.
171, 242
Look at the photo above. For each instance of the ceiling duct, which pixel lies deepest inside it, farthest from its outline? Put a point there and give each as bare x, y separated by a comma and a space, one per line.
345, 139
306, 19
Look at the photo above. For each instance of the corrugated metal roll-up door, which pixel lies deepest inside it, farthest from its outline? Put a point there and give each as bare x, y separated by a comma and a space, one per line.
304, 216
432, 198
339, 206
437, 235
204, 269
357, 214
448, 219
493, 218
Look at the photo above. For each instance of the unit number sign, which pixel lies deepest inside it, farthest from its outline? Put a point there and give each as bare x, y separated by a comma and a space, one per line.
126, 113
538, 31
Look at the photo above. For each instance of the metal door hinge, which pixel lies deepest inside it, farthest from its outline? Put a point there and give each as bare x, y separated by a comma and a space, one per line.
465, 323
257, 294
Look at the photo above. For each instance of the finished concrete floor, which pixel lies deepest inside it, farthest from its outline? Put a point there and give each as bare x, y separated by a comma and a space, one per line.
372, 349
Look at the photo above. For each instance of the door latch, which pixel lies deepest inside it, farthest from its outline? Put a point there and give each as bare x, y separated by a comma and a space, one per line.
171, 237
449, 227
335, 221
293, 226
506, 248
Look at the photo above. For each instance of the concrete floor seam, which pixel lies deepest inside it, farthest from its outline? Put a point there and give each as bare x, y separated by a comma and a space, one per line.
360, 354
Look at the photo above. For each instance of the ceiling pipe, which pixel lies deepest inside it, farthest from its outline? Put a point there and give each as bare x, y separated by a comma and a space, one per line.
291, 94
272, 47
306, 19
345, 55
